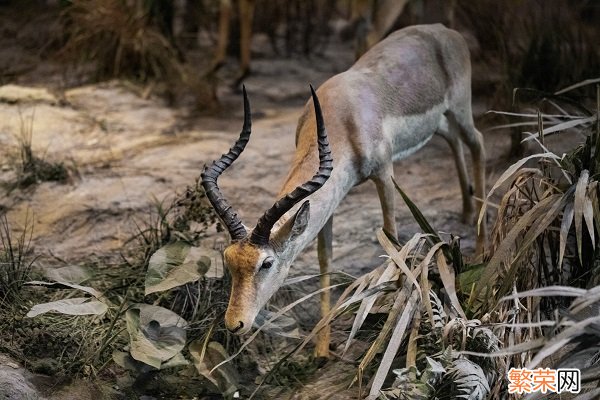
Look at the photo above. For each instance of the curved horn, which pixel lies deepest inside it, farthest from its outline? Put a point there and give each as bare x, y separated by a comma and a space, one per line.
261, 233
211, 174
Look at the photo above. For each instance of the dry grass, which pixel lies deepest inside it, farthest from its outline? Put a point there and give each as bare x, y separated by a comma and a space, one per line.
29, 166
16, 260
119, 39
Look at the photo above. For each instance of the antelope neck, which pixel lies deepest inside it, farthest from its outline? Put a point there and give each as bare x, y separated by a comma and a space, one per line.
322, 204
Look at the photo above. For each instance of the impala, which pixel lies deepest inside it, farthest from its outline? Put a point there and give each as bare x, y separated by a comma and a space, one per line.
413, 84
246, 15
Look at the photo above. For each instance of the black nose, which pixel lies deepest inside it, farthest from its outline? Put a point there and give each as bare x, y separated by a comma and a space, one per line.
240, 326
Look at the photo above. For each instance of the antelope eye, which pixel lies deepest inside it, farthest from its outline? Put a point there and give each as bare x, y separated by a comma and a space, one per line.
267, 263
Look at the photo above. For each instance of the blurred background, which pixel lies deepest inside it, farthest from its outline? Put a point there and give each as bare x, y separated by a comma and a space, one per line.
188, 49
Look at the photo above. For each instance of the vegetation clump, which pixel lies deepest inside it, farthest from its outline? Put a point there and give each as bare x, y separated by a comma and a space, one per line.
30, 168
34, 169
16, 260
120, 38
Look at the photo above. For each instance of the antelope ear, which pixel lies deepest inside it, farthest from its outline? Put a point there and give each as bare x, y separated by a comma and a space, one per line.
293, 227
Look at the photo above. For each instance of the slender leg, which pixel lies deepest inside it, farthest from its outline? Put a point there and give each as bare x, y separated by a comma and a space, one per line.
449, 131
223, 39
474, 140
387, 192
324, 250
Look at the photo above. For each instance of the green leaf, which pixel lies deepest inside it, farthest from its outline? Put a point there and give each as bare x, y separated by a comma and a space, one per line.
418, 215
432, 235
156, 334
179, 263
74, 306
469, 277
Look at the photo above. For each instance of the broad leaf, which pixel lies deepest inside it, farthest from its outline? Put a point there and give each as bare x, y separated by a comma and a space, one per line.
178, 360
67, 285
433, 372
179, 263
74, 306
156, 334
125, 360
75, 274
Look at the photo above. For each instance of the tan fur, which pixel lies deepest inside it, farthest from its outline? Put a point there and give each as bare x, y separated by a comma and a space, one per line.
241, 259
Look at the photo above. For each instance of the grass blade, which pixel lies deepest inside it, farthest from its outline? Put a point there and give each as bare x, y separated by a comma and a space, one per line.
449, 281
565, 226
580, 191
588, 217
394, 344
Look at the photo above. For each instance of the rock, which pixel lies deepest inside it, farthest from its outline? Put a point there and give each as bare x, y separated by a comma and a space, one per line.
21, 94
14, 382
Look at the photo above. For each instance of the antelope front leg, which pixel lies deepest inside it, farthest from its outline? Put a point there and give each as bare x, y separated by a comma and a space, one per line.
386, 192
324, 250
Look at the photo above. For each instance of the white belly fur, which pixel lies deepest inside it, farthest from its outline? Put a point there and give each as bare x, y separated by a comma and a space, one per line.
408, 133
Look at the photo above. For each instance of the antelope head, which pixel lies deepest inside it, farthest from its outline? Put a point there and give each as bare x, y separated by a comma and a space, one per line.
260, 261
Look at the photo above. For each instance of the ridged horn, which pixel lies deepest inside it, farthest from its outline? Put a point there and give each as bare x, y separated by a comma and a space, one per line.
261, 233
212, 172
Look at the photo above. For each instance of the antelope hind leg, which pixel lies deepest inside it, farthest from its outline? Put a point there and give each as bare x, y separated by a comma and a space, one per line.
324, 250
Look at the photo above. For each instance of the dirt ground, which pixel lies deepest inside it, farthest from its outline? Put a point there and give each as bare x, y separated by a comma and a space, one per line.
129, 151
